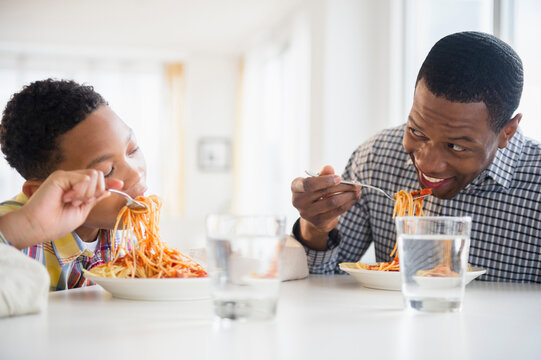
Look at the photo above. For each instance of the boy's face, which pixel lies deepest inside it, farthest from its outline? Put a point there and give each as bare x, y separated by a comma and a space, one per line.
449, 143
104, 142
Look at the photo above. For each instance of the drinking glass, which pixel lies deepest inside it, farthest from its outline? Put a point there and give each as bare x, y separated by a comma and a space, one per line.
433, 252
244, 264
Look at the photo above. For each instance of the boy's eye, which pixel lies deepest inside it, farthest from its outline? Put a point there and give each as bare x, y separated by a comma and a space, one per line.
109, 173
456, 147
134, 150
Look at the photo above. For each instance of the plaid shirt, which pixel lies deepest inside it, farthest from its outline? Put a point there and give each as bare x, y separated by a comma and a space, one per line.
64, 258
504, 202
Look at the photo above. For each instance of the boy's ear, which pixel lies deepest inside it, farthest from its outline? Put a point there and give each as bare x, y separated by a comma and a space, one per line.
30, 187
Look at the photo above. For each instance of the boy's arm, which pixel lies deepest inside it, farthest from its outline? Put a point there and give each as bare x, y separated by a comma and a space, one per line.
59, 205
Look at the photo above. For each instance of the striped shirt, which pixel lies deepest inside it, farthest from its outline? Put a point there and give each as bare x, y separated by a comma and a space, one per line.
504, 202
64, 258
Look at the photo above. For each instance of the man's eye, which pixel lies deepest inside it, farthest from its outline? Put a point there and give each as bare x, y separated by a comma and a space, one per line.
456, 147
416, 132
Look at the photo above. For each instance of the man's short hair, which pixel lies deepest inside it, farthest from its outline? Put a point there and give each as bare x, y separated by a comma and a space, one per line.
473, 67
36, 117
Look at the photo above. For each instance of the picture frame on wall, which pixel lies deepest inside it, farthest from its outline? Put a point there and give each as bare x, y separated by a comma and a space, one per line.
214, 154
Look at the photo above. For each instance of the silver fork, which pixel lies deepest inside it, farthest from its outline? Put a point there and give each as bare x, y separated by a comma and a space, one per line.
130, 202
391, 197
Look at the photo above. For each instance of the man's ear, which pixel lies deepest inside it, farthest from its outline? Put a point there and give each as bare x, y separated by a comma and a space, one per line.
30, 187
508, 131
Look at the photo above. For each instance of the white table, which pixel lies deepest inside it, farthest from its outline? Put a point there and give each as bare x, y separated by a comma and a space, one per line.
322, 317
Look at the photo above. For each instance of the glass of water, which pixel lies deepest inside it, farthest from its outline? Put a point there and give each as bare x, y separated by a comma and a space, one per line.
433, 252
244, 264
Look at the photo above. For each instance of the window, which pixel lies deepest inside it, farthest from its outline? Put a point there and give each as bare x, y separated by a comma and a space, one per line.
524, 19
427, 21
133, 89
274, 125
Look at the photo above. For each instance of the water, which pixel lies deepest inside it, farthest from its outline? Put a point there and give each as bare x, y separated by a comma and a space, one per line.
245, 276
425, 252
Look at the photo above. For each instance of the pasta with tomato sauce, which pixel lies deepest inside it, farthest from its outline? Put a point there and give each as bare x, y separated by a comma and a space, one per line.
149, 257
406, 204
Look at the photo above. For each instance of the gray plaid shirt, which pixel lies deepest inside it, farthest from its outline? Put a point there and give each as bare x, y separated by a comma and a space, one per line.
504, 202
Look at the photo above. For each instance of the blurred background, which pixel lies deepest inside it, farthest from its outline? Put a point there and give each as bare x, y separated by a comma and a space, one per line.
232, 99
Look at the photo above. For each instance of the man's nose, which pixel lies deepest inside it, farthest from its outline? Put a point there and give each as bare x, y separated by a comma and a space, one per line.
430, 159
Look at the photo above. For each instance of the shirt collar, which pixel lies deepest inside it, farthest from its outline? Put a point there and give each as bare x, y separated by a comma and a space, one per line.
502, 168
68, 248
13, 204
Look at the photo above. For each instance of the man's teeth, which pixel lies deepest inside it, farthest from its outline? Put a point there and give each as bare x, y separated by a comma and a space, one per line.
432, 180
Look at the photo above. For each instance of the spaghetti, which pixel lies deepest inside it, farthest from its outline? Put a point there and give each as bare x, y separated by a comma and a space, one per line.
149, 257
442, 270
406, 204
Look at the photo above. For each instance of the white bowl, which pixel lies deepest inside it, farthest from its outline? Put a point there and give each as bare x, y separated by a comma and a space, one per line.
391, 280
155, 289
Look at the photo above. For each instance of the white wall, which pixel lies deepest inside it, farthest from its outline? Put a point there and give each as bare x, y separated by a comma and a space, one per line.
350, 96
350, 92
351, 72
211, 88
356, 77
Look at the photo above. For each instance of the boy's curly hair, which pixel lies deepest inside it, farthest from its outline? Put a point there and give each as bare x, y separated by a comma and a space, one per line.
35, 118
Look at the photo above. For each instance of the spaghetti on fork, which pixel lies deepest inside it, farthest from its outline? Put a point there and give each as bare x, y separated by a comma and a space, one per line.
149, 257
406, 204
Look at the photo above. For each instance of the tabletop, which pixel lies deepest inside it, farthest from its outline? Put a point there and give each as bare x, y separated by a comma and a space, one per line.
321, 317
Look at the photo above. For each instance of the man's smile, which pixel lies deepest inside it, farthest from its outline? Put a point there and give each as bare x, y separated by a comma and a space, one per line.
431, 179
433, 183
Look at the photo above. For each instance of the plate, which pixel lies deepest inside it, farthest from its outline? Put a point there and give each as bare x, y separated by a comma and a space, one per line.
383, 280
391, 280
155, 289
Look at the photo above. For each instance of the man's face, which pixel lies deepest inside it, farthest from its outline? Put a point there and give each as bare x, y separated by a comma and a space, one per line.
104, 142
449, 143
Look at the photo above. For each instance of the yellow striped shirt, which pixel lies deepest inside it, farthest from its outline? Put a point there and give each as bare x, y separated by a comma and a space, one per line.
65, 257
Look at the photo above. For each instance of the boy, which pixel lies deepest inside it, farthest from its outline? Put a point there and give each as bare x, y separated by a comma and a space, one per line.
60, 125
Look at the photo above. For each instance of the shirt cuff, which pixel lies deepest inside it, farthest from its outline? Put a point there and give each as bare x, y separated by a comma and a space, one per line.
321, 262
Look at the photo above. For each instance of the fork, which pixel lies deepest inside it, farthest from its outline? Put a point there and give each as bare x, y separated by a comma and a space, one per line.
130, 202
390, 197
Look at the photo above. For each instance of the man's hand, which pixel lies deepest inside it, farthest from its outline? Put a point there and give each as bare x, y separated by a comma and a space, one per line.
59, 205
320, 200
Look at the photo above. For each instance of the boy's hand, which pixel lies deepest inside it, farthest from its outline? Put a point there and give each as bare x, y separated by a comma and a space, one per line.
320, 200
58, 206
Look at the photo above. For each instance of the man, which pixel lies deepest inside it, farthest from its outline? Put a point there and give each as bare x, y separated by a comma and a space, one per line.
461, 140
